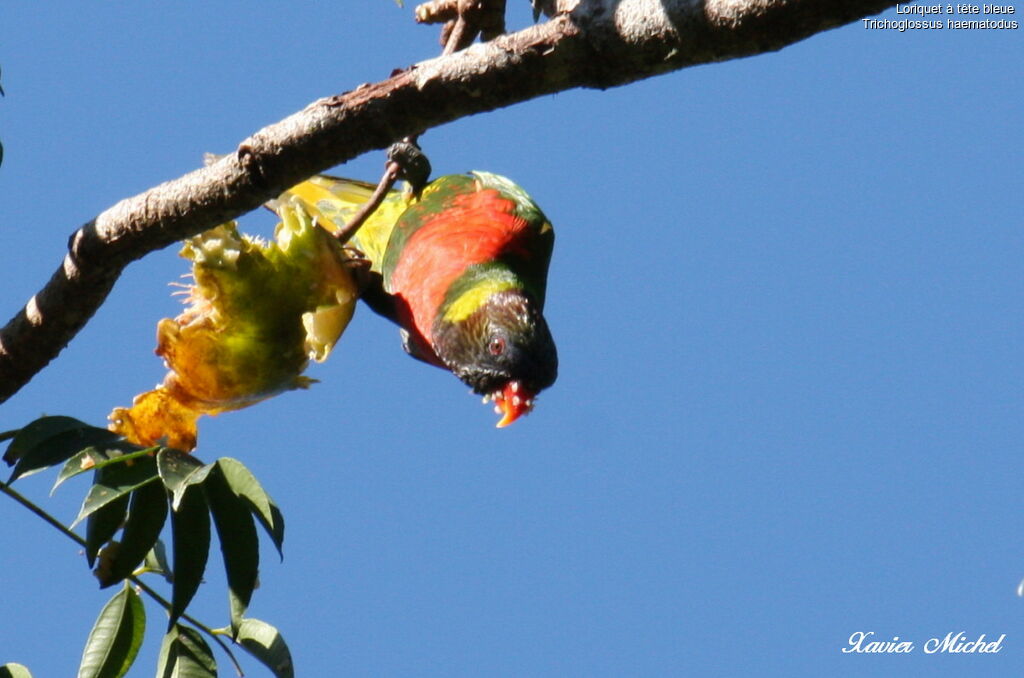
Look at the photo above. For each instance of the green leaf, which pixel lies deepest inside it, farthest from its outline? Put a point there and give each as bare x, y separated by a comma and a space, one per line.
184, 654
94, 458
102, 525
244, 484
38, 431
14, 671
146, 515
263, 641
190, 527
80, 462
115, 639
239, 544
196, 479
115, 481
7, 435
49, 441
176, 470
156, 561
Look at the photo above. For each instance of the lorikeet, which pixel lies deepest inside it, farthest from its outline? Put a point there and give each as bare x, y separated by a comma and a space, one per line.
463, 271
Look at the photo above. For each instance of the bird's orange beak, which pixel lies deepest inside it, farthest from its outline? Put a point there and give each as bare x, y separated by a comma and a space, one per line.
512, 402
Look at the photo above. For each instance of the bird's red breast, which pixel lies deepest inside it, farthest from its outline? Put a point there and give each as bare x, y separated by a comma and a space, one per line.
475, 228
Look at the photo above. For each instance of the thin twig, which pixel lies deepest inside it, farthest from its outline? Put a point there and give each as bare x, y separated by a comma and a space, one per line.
190, 619
391, 172
56, 524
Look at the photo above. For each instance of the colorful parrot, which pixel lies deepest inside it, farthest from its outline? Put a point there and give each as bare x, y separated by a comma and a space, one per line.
463, 271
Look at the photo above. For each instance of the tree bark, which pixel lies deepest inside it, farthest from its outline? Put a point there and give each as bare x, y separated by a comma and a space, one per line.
589, 43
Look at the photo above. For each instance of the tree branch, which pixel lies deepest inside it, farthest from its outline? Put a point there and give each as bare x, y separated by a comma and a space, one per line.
590, 43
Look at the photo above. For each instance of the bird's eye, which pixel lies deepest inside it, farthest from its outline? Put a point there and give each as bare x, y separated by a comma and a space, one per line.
496, 346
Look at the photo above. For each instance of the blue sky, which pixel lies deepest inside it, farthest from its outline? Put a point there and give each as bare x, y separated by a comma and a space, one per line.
786, 292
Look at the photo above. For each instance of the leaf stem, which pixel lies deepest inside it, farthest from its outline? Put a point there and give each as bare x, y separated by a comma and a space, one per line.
56, 524
190, 619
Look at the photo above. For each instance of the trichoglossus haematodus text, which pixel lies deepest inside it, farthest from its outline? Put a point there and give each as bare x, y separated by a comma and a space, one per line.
463, 271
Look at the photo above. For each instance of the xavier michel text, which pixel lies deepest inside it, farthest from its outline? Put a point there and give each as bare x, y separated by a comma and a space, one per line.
865, 642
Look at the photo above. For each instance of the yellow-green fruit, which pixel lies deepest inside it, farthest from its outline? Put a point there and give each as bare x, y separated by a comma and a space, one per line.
257, 313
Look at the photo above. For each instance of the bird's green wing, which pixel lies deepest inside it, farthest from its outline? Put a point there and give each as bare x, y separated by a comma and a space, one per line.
333, 201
